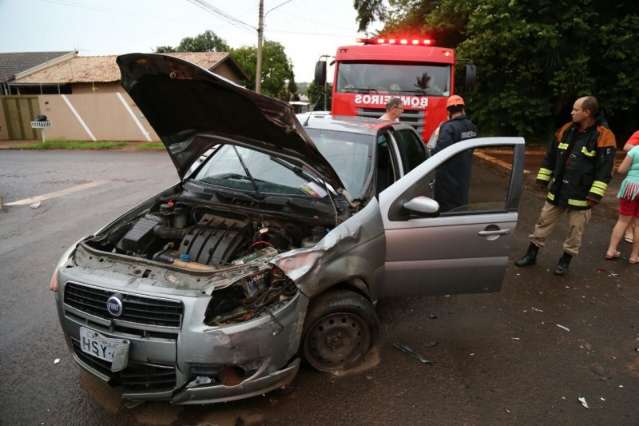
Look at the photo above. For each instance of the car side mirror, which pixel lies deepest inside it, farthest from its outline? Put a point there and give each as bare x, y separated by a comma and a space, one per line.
422, 205
471, 76
320, 73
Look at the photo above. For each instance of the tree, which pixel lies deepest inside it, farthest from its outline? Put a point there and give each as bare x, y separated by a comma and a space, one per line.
292, 88
316, 94
276, 67
533, 57
208, 41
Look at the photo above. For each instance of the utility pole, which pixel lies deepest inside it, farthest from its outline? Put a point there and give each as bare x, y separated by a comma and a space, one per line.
260, 36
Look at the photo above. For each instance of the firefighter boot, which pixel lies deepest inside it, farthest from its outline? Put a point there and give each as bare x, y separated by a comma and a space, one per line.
562, 265
530, 258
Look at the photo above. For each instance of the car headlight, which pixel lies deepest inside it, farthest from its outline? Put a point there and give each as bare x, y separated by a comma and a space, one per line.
249, 297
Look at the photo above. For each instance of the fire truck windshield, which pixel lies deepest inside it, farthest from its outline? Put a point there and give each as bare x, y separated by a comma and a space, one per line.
420, 79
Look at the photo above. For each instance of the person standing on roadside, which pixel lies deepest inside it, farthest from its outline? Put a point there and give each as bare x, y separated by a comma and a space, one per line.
394, 108
452, 179
576, 171
631, 143
628, 207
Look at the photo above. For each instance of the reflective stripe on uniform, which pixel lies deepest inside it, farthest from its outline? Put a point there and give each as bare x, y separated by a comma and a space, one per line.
598, 187
550, 196
563, 146
544, 174
577, 203
587, 153
600, 184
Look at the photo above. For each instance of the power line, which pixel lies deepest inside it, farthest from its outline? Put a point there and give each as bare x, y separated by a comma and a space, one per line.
278, 6
202, 4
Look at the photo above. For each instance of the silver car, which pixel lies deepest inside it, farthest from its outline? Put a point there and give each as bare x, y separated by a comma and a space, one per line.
275, 245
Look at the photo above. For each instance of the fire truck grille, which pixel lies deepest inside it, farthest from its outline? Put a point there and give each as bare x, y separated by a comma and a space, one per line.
413, 118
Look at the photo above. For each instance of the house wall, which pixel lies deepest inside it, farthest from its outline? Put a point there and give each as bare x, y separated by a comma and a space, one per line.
227, 72
84, 88
104, 115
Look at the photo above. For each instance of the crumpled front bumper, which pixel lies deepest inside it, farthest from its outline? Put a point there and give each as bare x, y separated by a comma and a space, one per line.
246, 389
265, 348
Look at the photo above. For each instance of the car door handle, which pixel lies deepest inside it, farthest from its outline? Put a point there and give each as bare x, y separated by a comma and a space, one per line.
492, 232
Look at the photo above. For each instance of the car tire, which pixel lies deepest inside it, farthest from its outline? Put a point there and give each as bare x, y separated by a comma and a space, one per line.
339, 330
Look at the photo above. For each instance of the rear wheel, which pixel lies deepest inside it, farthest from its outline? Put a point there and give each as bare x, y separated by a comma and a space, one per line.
339, 330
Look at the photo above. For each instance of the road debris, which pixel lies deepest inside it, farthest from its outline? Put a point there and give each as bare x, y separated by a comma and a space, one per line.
35, 205
583, 401
613, 275
432, 316
56, 361
431, 344
563, 327
620, 386
516, 338
536, 309
602, 398
408, 350
507, 410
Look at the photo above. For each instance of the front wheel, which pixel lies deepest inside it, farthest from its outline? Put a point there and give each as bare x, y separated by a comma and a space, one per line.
339, 330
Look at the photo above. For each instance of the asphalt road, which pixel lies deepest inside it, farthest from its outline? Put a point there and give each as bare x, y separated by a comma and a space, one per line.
498, 358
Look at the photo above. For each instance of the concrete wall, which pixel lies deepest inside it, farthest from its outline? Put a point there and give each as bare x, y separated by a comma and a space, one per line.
4, 130
103, 114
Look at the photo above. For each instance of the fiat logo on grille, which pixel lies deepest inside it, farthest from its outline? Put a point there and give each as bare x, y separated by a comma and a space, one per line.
114, 305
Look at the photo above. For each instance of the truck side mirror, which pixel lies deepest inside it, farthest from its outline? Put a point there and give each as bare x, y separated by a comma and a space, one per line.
320, 73
471, 76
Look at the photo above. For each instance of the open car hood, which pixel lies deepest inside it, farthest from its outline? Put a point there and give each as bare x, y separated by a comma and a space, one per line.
192, 109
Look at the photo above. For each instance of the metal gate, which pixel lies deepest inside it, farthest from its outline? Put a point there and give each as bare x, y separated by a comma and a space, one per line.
19, 111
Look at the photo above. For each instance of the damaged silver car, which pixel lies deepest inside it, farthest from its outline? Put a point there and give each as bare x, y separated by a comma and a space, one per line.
274, 246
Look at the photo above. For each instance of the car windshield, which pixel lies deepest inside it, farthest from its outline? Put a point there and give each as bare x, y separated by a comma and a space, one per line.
431, 80
348, 153
266, 175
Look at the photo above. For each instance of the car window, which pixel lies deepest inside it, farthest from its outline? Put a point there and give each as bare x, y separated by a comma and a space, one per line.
468, 183
386, 168
411, 149
225, 169
348, 153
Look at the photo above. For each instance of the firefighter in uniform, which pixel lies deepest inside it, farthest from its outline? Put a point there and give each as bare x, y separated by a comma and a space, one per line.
576, 171
452, 178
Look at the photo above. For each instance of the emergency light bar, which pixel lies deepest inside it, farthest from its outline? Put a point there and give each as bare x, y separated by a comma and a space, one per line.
400, 41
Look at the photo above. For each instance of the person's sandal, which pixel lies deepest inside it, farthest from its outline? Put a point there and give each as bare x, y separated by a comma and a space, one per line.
633, 261
615, 256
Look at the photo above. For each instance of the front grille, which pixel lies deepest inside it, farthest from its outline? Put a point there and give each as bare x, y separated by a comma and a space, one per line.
414, 118
134, 378
137, 309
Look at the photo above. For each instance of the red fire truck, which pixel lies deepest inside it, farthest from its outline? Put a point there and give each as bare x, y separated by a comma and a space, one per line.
368, 75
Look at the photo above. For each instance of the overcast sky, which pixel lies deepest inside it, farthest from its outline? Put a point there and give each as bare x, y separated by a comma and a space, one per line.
306, 28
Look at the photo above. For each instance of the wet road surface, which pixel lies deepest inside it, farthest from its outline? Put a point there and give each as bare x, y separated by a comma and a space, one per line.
497, 358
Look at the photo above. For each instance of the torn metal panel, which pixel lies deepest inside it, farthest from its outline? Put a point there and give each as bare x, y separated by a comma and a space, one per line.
354, 249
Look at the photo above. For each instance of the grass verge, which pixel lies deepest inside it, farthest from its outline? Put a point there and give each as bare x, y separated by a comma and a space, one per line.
148, 146
73, 144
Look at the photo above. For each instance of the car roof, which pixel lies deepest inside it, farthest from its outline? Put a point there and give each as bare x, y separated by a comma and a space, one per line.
324, 120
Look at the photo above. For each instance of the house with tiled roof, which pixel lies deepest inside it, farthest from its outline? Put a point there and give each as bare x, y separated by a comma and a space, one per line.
100, 74
14, 63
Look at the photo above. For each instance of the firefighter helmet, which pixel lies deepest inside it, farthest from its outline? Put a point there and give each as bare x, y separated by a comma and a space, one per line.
454, 101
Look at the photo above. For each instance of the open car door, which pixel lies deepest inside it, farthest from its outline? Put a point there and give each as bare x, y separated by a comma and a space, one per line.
463, 249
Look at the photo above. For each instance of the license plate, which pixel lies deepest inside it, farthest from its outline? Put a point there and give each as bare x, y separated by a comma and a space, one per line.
115, 351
